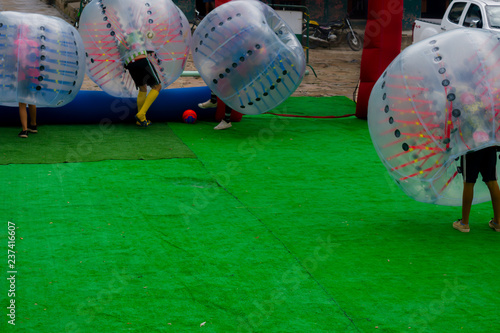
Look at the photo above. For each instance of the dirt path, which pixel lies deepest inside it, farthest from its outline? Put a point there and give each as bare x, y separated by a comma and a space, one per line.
337, 71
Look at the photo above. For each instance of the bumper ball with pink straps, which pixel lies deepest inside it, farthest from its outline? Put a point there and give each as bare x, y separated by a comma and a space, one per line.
42, 60
437, 101
117, 31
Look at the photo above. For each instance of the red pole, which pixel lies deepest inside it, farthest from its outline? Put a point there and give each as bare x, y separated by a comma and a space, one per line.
382, 43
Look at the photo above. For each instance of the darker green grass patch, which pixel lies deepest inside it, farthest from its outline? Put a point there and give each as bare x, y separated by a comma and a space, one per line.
89, 143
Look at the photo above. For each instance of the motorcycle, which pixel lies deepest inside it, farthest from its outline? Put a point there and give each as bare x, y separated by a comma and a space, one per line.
331, 34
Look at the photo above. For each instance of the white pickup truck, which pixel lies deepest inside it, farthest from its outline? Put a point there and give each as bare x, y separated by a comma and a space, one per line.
483, 14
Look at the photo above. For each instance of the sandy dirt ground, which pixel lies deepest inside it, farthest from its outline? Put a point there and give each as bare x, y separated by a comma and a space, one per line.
336, 69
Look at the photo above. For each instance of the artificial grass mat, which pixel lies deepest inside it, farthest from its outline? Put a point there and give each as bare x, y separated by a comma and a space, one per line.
113, 245
278, 225
387, 261
304, 106
86, 143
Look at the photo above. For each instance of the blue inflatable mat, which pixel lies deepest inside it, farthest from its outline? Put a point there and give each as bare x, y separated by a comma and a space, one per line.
91, 107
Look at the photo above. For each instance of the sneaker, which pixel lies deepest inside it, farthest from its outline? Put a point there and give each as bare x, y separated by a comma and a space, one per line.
207, 105
460, 226
223, 125
494, 226
144, 123
32, 129
23, 134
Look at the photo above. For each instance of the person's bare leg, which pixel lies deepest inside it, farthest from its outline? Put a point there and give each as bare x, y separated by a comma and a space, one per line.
462, 225
32, 111
23, 115
467, 197
495, 202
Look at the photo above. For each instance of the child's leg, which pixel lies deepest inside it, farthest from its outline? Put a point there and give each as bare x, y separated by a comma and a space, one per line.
211, 103
495, 200
32, 111
227, 114
23, 115
226, 122
467, 197
150, 98
213, 97
141, 97
32, 125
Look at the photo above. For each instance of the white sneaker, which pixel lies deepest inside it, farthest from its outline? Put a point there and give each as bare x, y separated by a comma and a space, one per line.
207, 105
223, 125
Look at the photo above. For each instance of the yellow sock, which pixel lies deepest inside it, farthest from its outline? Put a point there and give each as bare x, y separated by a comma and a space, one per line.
141, 97
147, 103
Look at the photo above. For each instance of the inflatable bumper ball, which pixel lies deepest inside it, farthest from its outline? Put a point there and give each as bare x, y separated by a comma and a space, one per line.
248, 56
438, 100
117, 31
42, 60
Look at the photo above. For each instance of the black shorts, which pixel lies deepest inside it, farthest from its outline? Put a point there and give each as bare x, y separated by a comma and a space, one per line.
143, 72
483, 161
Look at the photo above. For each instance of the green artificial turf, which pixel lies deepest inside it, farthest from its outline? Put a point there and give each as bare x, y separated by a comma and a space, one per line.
276, 225
84, 143
334, 106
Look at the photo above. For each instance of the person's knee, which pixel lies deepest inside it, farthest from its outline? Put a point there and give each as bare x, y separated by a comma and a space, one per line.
492, 185
157, 87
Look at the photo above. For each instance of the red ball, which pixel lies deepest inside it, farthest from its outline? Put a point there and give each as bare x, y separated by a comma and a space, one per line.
189, 117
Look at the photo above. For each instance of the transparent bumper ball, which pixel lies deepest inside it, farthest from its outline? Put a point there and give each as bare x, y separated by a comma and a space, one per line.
248, 56
115, 32
42, 60
436, 102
